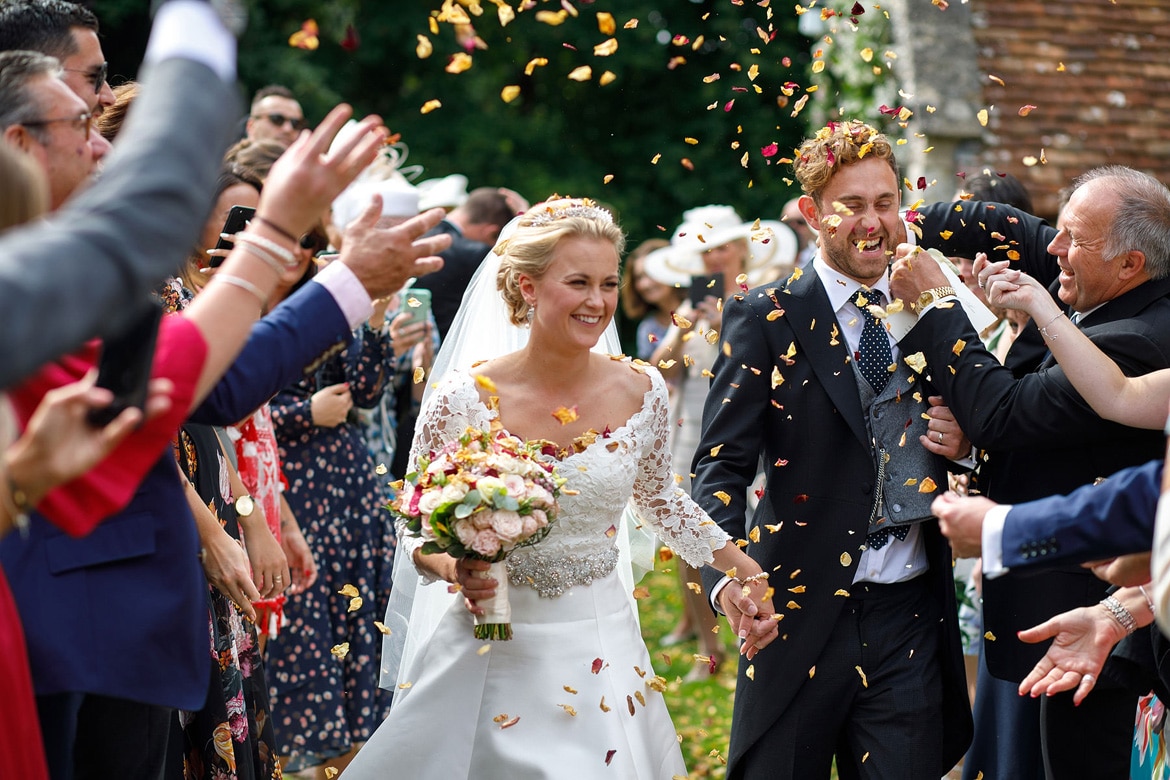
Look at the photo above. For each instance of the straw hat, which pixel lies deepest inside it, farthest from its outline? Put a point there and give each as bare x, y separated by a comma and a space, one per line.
400, 198
771, 245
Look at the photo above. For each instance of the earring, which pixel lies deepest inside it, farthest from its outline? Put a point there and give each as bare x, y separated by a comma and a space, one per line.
531, 313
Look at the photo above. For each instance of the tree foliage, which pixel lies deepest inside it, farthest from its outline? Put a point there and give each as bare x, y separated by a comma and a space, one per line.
558, 135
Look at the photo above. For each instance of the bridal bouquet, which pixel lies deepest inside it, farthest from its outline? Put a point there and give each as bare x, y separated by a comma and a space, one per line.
481, 496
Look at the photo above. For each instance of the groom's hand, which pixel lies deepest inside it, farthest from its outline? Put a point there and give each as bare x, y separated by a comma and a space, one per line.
750, 613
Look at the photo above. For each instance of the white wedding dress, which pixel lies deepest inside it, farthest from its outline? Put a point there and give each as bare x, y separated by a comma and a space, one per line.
573, 694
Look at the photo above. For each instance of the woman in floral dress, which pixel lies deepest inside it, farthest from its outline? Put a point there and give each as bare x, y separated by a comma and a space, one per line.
324, 664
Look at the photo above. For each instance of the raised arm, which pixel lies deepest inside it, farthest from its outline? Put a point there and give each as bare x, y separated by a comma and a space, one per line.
1139, 401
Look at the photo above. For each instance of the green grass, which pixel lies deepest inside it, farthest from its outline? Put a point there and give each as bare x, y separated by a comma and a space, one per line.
701, 710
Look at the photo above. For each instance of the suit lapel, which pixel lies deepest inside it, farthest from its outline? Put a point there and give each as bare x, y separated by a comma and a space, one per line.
821, 341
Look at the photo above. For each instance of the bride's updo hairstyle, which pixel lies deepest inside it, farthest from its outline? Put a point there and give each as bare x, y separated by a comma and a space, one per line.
529, 249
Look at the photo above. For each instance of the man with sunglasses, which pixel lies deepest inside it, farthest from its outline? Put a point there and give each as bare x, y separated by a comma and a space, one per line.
275, 116
68, 32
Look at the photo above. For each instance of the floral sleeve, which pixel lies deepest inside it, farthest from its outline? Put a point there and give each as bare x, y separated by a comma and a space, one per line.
678, 520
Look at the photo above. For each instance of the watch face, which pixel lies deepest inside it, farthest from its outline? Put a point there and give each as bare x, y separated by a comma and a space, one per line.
245, 506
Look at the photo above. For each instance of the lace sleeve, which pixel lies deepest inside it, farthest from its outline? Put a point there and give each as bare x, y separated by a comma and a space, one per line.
445, 415
678, 520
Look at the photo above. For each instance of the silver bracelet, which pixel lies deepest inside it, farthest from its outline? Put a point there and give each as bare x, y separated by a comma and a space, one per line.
1120, 614
285, 256
243, 284
1044, 330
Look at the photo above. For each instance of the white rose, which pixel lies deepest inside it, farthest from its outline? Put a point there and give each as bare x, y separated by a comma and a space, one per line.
507, 525
454, 492
430, 501
489, 485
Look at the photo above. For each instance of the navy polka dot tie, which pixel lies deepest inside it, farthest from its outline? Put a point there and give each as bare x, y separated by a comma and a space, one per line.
873, 353
878, 539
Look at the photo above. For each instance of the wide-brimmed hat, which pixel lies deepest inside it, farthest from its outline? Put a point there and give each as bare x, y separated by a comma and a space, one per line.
449, 192
400, 198
771, 245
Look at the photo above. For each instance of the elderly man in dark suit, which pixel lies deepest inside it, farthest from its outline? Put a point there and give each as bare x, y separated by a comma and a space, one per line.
1040, 436
870, 669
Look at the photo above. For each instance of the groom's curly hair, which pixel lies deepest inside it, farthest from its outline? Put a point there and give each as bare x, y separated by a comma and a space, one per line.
836, 145
529, 250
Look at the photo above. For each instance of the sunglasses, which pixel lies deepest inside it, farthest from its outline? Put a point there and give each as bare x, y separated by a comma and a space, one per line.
280, 120
314, 241
96, 76
83, 122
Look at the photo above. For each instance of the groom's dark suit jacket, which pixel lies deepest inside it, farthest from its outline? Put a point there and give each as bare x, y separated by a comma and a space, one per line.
1041, 438
811, 433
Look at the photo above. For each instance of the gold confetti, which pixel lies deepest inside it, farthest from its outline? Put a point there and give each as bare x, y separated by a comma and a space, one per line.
430, 106
565, 415
608, 77
381, 469
569, 709
382, 628
460, 62
605, 23
864, 682
751, 672
724, 497
715, 450
928, 485
341, 650
812, 672
842, 592
348, 590
331, 772
581, 73
484, 649
846, 559
990, 637
418, 375
982, 117
355, 604
605, 48
423, 48
604, 707
917, 362
958, 346
485, 382
510, 93
533, 64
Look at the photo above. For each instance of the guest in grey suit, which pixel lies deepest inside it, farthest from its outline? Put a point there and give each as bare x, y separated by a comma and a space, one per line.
106, 248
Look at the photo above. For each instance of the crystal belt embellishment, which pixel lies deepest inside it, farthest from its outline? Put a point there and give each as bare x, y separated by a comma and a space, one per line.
550, 576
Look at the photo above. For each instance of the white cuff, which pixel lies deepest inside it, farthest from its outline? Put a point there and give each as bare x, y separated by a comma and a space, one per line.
192, 30
348, 291
993, 540
715, 591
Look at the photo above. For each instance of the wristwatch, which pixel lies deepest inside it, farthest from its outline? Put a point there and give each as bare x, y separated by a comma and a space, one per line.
930, 296
245, 506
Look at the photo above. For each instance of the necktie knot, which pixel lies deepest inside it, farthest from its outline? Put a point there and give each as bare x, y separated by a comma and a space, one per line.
873, 354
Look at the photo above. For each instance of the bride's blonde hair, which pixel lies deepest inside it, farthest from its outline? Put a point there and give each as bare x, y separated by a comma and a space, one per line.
529, 249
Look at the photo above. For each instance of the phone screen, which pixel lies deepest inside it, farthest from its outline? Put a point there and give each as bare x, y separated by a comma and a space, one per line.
706, 285
124, 366
417, 303
237, 219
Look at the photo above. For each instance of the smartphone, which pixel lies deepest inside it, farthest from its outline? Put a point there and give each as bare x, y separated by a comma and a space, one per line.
237, 219
417, 303
703, 286
124, 366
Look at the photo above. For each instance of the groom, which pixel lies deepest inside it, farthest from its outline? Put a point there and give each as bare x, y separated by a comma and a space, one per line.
868, 668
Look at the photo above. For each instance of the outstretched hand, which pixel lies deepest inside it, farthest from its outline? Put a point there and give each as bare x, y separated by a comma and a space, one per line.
384, 258
1082, 639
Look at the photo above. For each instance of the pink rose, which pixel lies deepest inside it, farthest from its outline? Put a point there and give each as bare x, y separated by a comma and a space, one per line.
530, 526
507, 525
466, 531
514, 485
486, 543
482, 520
540, 517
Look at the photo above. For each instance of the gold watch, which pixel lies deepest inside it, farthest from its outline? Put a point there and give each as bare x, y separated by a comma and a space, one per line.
245, 506
930, 296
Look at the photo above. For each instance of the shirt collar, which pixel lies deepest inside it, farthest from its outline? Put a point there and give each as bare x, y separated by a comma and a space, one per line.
839, 287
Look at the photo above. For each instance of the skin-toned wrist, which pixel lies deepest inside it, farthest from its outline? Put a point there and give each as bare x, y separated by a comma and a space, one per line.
1113, 628
21, 466
440, 565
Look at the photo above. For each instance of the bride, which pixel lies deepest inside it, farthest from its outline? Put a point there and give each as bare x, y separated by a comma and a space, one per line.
573, 694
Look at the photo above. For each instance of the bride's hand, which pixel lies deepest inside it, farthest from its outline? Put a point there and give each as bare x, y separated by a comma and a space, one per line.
1011, 289
749, 610
470, 581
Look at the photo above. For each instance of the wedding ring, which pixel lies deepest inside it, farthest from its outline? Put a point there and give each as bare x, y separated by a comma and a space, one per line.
278, 578
940, 437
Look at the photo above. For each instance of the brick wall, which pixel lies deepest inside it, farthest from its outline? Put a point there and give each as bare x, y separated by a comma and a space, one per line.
1110, 104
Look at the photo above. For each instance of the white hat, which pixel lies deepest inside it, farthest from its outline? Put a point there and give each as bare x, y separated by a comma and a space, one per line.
449, 192
771, 244
400, 198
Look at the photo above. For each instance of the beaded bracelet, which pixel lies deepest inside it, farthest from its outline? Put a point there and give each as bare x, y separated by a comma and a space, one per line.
761, 577
243, 284
1120, 614
285, 256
